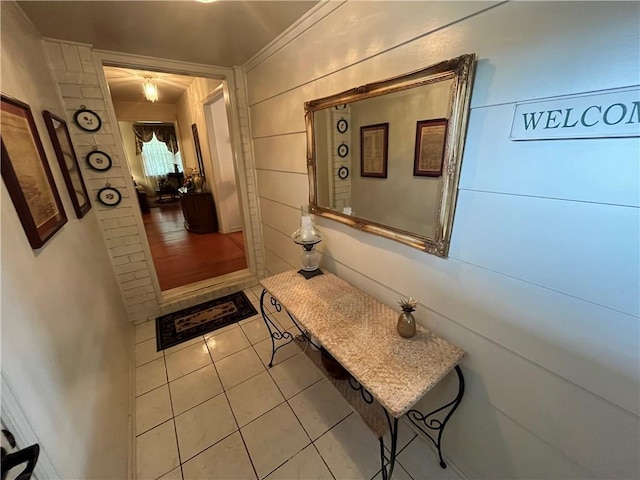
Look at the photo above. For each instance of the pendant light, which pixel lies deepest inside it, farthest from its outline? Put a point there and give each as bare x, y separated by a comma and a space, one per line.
150, 90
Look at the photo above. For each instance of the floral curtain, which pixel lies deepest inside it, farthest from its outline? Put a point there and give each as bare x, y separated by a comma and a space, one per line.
165, 133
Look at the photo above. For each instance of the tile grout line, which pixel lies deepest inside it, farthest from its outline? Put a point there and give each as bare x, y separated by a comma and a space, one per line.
164, 421
312, 442
173, 418
224, 391
320, 455
268, 370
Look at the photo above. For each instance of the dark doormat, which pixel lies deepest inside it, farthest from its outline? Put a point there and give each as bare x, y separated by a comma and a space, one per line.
183, 325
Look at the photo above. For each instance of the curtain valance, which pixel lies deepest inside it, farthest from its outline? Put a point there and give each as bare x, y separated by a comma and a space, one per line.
164, 133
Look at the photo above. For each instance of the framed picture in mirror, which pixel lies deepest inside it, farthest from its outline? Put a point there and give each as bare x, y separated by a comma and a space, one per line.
342, 126
374, 148
431, 137
68, 162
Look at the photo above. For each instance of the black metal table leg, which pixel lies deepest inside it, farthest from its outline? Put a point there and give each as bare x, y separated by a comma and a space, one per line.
274, 332
387, 471
434, 424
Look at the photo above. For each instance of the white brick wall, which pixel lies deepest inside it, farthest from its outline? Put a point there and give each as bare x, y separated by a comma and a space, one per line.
341, 188
74, 70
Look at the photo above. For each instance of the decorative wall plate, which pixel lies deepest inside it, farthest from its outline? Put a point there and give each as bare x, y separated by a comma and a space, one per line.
342, 125
109, 196
343, 173
87, 120
343, 150
98, 160
341, 107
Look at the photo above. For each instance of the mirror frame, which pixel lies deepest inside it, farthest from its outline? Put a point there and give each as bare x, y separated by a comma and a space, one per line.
460, 69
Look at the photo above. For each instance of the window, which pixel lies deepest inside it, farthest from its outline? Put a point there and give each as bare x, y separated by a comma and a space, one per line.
157, 159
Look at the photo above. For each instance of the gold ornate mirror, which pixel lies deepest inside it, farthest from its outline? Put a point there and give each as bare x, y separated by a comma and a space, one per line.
385, 157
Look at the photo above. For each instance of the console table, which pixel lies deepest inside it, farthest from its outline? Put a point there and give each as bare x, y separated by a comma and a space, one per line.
199, 212
388, 374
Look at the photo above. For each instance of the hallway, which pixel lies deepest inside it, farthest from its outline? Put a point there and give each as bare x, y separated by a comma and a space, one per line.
210, 408
181, 257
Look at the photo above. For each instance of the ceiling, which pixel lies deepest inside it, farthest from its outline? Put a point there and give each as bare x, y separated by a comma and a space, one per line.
125, 85
221, 33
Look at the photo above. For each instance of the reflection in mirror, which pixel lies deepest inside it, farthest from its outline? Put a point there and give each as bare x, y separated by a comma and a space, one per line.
385, 157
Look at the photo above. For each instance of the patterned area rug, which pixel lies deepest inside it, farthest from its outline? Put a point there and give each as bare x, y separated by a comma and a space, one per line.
183, 325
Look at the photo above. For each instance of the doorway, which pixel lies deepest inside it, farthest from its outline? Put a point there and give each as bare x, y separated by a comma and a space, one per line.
225, 181
188, 242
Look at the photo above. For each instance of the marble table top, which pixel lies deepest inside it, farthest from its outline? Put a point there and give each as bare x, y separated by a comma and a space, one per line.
360, 332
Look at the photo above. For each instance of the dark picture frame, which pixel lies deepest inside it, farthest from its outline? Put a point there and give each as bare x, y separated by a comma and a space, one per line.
196, 141
87, 120
61, 140
98, 160
27, 175
109, 196
374, 150
431, 141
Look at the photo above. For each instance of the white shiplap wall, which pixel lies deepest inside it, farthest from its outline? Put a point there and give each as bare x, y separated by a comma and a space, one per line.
542, 280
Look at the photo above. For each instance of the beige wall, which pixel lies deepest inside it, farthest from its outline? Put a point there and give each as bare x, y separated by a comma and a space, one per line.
66, 339
185, 134
190, 111
145, 111
541, 284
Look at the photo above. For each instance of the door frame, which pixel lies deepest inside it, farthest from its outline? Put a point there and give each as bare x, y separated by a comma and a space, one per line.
216, 96
243, 161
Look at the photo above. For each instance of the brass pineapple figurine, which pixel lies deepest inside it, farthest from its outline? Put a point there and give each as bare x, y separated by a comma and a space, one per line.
406, 322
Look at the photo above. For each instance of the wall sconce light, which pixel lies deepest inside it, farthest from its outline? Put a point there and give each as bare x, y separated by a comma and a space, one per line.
150, 90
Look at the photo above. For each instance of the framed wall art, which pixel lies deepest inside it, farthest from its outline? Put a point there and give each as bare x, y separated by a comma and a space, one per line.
68, 161
431, 136
109, 196
87, 120
98, 160
374, 149
27, 175
196, 141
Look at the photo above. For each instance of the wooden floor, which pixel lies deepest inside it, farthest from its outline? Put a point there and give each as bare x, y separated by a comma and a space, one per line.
181, 257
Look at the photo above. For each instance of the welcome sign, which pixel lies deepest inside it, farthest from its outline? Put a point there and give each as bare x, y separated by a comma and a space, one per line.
610, 114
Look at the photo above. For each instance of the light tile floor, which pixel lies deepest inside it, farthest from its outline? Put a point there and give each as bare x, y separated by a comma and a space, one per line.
211, 409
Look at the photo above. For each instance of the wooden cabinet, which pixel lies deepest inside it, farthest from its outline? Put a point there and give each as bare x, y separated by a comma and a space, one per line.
199, 212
